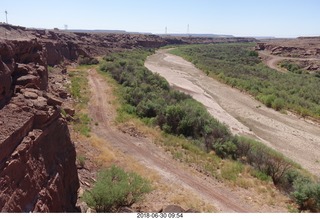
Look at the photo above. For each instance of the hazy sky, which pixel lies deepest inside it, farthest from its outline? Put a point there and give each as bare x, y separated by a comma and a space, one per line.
280, 18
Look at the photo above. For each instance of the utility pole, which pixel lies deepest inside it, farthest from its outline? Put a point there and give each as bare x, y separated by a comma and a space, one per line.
166, 30
6, 16
188, 31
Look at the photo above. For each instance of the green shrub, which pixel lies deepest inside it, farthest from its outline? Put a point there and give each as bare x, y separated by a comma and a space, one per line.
307, 195
265, 159
231, 170
225, 150
278, 104
81, 161
82, 124
260, 175
267, 99
115, 188
87, 61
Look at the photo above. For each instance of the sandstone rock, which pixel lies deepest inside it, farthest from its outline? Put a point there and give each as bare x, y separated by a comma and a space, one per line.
173, 209
5, 83
30, 95
69, 110
22, 69
40, 103
37, 159
28, 79
63, 94
53, 100
41, 167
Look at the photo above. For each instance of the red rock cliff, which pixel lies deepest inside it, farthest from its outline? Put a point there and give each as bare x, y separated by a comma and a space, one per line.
37, 158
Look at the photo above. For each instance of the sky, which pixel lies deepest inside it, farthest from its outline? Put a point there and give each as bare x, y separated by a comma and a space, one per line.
278, 18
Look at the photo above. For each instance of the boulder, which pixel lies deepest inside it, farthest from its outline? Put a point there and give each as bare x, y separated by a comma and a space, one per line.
53, 100
173, 209
28, 79
69, 110
30, 95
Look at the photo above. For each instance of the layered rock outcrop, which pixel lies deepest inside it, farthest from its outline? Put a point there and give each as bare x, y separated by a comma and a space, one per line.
65, 46
37, 158
302, 47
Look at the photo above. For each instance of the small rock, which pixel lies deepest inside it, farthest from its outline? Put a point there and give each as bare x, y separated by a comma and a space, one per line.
27, 79
53, 101
126, 210
30, 95
32, 136
173, 209
69, 110
40, 103
63, 94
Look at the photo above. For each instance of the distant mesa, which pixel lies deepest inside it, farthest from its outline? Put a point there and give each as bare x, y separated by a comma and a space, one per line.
105, 31
96, 31
197, 35
162, 35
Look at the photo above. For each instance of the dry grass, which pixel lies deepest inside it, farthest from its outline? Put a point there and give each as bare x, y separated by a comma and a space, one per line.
183, 198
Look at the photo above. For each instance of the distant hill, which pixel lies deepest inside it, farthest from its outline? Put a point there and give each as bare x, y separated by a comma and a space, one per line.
105, 31
173, 35
197, 35
96, 31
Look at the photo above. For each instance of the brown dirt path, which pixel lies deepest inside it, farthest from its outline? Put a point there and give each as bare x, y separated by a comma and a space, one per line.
155, 158
294, 137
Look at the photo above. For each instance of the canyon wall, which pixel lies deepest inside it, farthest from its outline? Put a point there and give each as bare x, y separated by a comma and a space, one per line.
37, 158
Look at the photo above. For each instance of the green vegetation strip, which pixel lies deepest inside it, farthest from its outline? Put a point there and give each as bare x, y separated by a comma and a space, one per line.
239, 66
79, 91
149, 97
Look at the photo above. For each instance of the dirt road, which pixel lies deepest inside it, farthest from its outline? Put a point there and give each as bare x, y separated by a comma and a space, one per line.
155, 158
294, 137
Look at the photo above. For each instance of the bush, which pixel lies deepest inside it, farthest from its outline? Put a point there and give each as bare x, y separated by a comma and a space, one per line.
231, 170
114, 189
87, 61
278, 104
265, 159
225, 150
307, 195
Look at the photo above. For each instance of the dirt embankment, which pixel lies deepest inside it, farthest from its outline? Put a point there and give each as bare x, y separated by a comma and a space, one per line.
294, 137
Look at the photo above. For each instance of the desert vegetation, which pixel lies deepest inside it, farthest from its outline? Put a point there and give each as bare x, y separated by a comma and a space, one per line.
239, 66
79, 91
116, 188
148, 96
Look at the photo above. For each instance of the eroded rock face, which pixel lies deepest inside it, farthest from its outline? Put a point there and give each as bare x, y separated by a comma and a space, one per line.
22, 63
37, 158
302, 47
